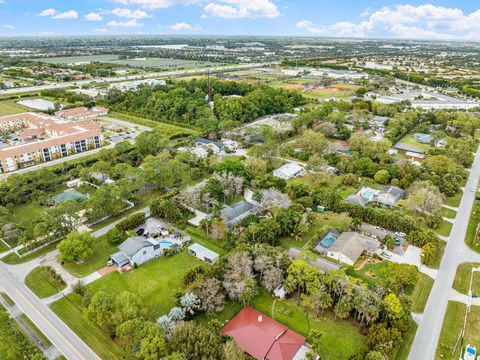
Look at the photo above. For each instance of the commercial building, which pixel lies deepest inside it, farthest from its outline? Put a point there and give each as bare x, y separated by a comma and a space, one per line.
429, 101
35, 138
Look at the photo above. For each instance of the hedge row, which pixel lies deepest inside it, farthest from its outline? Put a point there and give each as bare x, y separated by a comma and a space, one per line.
131, 222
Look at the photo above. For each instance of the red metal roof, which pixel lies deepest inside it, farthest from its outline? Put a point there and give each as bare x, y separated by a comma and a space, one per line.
262, 337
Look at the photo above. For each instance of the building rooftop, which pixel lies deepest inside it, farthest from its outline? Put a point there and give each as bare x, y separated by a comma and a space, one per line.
352, 245
134, 244
199, 249
262, 337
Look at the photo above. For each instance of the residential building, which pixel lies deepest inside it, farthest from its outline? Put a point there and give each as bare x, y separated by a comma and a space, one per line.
232, 215
204, 254
81, 113
42, 138
136, 251
423, 138
215, 146
289, 171
348, 247
388, 196
264, 338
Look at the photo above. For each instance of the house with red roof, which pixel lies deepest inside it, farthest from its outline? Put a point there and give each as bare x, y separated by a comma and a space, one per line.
264, 338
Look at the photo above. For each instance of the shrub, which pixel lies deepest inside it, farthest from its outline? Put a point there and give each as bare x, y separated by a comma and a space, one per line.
131, 222
115, 236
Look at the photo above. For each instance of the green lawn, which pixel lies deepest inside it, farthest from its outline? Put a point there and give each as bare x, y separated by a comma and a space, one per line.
153, 283
369, 273
444, 228
470, 239
411, 141
99, 258
70, 311
36, 330
42, 283
23, 214
403, 351
448, 213
14, 259
200, 237
421, 292
3, 247
8, 108
454, 200
463, 276
340, 339
438, 258
453, 324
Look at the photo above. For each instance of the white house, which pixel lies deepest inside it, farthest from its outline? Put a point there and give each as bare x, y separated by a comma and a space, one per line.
289, 171
203, 253
136, 251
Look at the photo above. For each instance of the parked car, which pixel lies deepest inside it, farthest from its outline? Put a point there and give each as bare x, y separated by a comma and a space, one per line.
386, 255
140, 232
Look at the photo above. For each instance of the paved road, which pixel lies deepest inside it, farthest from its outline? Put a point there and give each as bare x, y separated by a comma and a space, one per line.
456, 252
126, 123
105, 229
64, 339
164, 74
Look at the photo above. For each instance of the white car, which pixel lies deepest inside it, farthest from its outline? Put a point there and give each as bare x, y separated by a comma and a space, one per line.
473, 189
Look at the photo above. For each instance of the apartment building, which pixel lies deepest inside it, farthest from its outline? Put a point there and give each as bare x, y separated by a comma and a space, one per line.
81, 113
35, 138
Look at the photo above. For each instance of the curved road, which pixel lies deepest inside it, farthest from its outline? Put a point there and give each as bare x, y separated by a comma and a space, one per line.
456, 252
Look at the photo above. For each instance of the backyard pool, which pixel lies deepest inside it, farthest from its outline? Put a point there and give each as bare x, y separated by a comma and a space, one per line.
165, 244
327, 240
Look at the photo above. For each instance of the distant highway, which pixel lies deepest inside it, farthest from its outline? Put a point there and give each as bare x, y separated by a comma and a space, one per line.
163, 74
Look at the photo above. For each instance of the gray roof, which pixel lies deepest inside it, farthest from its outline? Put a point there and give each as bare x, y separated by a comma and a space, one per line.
134, 244
202, 250
389, 195
321, 263
120, 258
352, 245
208, 141
357, 199
234, 214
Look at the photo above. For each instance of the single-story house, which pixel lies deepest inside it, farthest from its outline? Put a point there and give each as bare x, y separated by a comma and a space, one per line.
348, 247
414, 156
363, 196
232, 215
202, 253
262, 337
214, 145
136, 250
289, 171
388, 196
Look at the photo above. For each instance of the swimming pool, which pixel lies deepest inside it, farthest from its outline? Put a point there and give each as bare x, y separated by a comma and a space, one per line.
165, 244
327, 241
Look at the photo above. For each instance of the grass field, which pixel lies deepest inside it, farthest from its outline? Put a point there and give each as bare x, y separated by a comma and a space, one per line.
470, 237
70, 311
421, 292
452, 325
454, 200
42, 283
168, 129
463, 276
8, 108
409, 140
370, 273
444, 228
23, 214
99, 258
153, 283
404, 350
438, 258
340, 339
448, 213
36, 330
3, 247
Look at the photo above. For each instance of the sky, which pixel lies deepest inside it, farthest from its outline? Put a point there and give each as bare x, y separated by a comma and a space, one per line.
434, 20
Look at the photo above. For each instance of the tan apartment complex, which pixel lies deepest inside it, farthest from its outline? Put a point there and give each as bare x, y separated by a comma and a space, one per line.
37, 137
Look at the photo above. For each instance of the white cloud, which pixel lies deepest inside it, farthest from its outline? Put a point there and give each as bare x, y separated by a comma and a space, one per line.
234, 9
204, 16
70, 14
157, 4
93, 17
129, 23
47, 33
100, 30
312, 28
48, 12
406, 21
129, 14
9, 27
2, 2
182, 26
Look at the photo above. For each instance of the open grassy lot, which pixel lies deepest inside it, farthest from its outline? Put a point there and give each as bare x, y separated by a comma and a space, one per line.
23, 214
453, 324
99, 258
340, 339
70, 311
470, 237
153, 283
420, 292
168, 129
3, 247
444, 228
42, 283
9, 107
321, 223
409, 140
454, 200
201, 237
463, 276
14, 259
369, 272
448, 213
